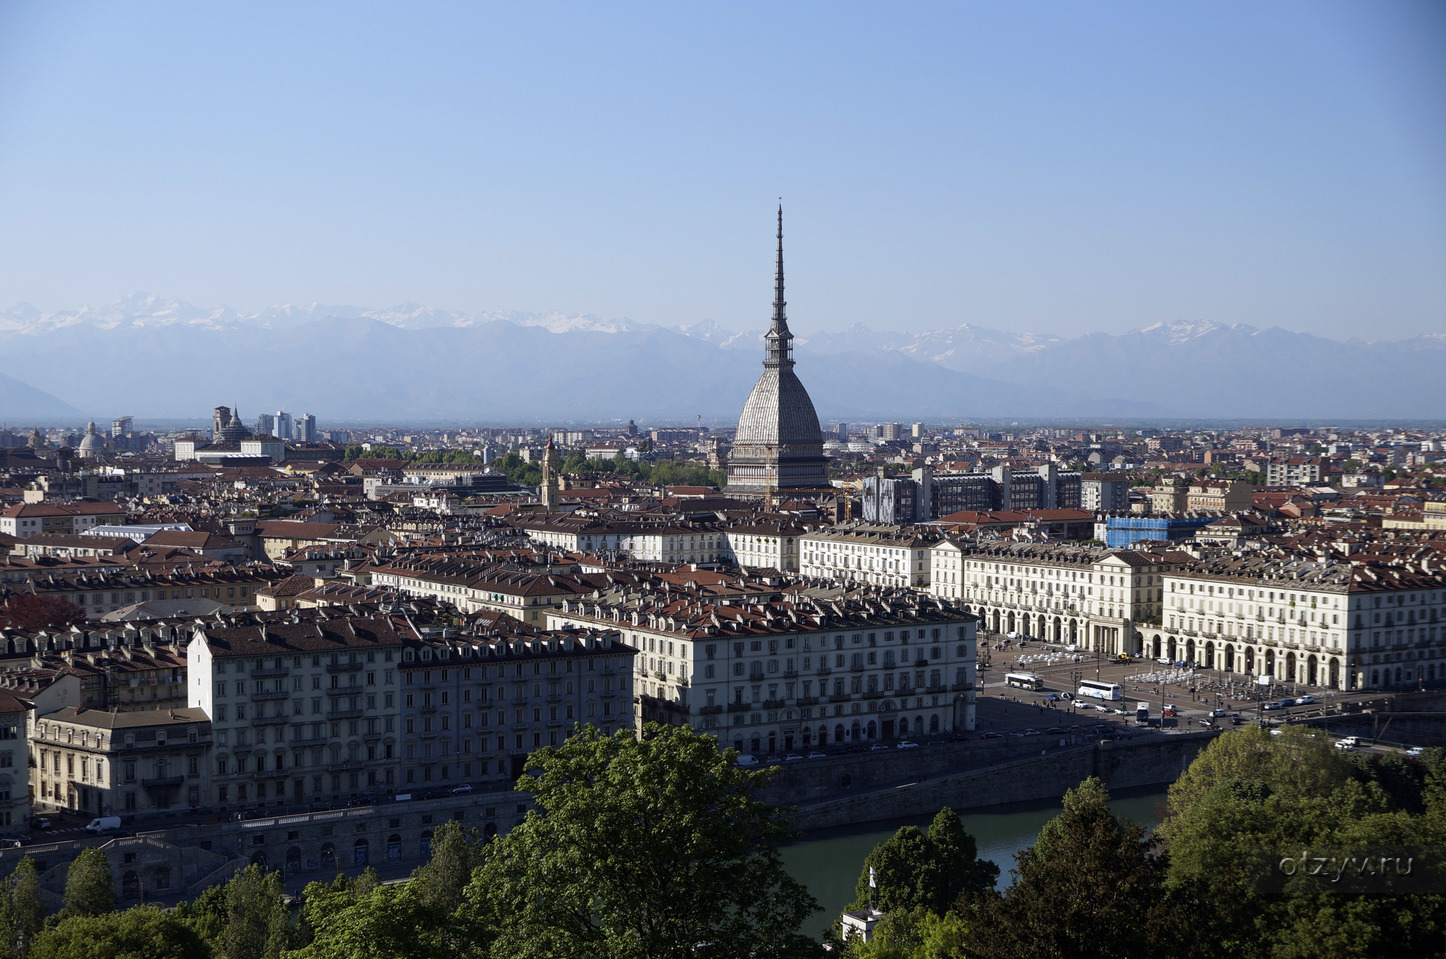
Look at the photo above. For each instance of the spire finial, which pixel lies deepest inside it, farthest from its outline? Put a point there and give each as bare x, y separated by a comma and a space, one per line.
779, 351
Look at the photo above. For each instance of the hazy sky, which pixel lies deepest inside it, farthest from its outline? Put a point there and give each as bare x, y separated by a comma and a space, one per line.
1056, 167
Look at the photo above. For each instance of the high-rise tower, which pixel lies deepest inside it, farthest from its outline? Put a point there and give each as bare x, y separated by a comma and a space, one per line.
778, 445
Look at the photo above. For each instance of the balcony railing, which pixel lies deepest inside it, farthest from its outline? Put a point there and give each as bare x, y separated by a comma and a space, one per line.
263, 672
156, 782
343, 667
267, 695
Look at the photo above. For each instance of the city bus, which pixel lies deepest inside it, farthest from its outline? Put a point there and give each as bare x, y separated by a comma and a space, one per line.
1023, 680
1098, 690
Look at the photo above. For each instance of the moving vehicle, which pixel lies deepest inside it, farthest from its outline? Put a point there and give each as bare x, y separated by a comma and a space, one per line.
1345, 744
39, 822
907, 745
1304, 700
1098, 690
464, 788
746, 760
1415, 751
817, 755
1023, 680
102, 823
792, 758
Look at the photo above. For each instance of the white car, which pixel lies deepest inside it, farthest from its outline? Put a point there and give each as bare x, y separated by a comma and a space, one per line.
1102, 707
907, 745
1415, 751
1345, 744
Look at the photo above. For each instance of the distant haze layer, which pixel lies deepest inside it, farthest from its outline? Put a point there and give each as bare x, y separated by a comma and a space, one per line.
146, 356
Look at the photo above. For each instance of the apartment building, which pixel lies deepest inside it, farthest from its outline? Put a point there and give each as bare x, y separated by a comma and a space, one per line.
472, 708
877, 554
779, 670
300, 711
1359, 622
97, 763
1093, 597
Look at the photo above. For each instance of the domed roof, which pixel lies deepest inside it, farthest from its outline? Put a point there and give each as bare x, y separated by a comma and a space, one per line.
92, 443
778, 413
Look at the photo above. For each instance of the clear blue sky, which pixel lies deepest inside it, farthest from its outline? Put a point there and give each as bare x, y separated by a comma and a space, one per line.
1055, 167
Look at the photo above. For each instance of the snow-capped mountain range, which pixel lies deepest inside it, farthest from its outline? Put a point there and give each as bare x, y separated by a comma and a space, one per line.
413, 363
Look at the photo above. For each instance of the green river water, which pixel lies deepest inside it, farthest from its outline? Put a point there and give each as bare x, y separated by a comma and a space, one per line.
829, 861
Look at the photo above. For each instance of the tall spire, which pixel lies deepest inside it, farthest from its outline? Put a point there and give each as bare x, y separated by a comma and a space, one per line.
779, 349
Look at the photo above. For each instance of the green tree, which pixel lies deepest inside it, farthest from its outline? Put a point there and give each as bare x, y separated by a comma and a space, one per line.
641, 848
27, 905
1298, 762
89, 885
1090, 886
369, 921
256, 918
143, 932
914, 870
206, 914
441, 882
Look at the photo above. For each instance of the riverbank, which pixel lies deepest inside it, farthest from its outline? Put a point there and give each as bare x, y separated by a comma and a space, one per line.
1153, 761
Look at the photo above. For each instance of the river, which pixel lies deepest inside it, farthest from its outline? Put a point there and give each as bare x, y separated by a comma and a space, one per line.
829, 861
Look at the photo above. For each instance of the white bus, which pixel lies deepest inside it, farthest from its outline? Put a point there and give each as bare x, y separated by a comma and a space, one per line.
1097, 690
1023, 680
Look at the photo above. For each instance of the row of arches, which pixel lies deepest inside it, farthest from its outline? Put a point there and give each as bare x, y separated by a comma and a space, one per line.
1049, 628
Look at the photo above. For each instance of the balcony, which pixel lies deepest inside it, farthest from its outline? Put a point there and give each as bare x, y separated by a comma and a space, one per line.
342, 668
270, 720
427, 708
345, 713
265, 672
790, 673
269, 695
309, 740
738, 707
158, 782
839, 698
349, 766
344, 691
774, 704
962, 687
709, 710
808, 700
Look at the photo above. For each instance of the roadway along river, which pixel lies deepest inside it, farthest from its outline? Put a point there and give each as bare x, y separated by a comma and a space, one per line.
829, 861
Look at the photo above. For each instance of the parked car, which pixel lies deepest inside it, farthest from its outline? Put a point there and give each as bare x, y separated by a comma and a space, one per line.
103, 824
877, 746
792, 758
464, 788
39, 822
818, 755
1415, 751
907, 745
746, 760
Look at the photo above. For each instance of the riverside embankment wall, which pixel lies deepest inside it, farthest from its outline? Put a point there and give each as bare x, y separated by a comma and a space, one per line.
1143, 762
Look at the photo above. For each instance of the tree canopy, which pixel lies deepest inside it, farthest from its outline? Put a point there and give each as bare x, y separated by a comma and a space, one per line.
89, 885
929, 871
641, 848
142, 932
